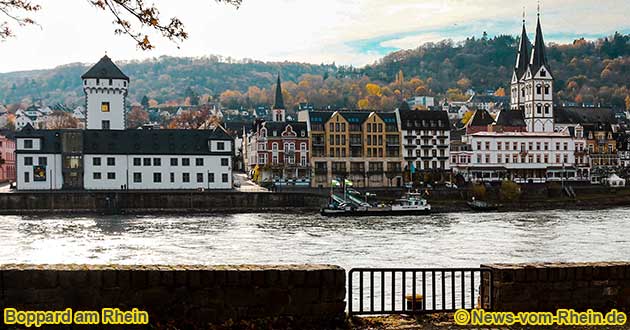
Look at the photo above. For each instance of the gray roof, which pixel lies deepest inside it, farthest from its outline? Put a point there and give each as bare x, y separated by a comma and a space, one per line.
419, 119
584, 116
480, 118
279, 127
513, 118
104, 69
133, 141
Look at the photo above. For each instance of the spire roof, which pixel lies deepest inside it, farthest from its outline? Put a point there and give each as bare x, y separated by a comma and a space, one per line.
522, 57
279, 101
104, 69
539, 56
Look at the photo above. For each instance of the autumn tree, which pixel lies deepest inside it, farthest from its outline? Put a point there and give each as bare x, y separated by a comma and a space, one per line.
627, 102
133, 18
500, 92
137, 117
61, 120
145, 102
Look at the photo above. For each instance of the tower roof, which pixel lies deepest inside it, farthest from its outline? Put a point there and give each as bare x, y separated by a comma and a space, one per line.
539, 56
104, 69
522, 57
279, 101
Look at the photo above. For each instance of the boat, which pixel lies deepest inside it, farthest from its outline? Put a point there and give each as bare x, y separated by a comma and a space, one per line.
409, 204
476, 205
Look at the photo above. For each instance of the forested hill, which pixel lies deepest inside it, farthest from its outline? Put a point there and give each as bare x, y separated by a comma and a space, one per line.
585, 71
164, 78
595, 72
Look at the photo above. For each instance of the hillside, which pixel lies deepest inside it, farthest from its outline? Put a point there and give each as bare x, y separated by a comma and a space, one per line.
595, 72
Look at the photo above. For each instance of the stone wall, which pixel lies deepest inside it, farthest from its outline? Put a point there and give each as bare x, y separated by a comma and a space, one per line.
549, 286
155, 201
184, 294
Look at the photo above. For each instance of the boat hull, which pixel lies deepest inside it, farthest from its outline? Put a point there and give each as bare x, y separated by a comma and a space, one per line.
358, 213
482, 208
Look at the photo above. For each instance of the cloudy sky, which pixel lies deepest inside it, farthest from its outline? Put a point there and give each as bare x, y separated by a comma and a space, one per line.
344, 31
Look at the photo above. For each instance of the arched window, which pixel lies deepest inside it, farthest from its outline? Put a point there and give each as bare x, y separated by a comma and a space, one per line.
547, 109
538, 89
543, 73
547, 89
538, 108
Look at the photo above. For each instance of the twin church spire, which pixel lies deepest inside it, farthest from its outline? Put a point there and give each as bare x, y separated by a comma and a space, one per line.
538, 56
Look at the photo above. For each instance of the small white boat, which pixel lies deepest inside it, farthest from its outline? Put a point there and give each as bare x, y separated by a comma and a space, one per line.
410, 204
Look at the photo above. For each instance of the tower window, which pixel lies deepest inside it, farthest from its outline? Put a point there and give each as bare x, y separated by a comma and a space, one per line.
125, 83
98, 81
547, 89
538, 90
538, 109
110, 82
105, 124
547, 109
543, 73
105, 107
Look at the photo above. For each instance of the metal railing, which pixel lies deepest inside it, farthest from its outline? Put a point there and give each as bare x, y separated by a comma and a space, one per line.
373, 291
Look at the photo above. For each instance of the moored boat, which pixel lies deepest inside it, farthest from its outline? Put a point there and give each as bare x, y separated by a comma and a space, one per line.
410, 204
476, 205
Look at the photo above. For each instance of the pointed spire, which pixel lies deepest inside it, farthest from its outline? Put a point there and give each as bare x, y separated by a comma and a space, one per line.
279, 102
522, 57
539, 56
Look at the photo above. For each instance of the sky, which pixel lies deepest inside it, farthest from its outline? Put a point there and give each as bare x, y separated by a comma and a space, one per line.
356, 32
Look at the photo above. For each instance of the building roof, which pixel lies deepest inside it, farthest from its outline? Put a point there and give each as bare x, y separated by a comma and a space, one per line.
278, 127
522, 56
539, 56
584, 116
279, 101
512, 118
133, 141
489, 99
480, 118
104, 69
404, 106
422, 119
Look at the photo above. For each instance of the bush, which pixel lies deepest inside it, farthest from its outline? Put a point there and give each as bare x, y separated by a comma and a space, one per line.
510, 191
479, 190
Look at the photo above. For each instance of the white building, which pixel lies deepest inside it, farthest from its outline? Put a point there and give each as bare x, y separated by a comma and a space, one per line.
424, 101
107, 156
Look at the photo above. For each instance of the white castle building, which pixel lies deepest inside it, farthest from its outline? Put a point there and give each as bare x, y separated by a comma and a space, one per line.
107, 156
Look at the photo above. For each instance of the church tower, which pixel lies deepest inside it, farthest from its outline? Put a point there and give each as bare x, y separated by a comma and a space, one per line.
522, 63
538, 84
278, 113
105, 87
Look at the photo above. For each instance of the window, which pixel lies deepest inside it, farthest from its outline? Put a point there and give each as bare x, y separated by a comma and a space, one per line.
28, 161
157, 161
146, 161
211, 177
42, 161
199, 177
547, 89
137, 177
186, 177
27, 177
28, 144
199, 161
96, 175
105, 107
538, 89
157, 177
111, 176
185, 161
172, 177
220, 145
224, 177
224, 161
96, 161
111, 161
543, 73
136, 161
105, 124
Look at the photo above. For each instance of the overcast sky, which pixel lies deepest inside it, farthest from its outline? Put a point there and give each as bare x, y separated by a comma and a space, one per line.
344, 31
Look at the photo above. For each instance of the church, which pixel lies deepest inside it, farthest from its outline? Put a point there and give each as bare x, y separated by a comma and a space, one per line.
108, 156
524, 144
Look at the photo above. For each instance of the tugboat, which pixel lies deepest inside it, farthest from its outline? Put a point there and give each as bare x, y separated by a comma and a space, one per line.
409, 204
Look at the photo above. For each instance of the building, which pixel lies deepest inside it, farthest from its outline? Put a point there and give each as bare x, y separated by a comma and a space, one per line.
421, 102
277, 150
425, 141
107, 156
362, 146
7, 159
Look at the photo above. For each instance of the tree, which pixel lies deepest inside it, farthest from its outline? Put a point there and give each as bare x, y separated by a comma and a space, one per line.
628, 102
373, 89
131, 18
145, 102
479, 190
137, 117
500, 92
61, 120
466, 117
464, 83
509, 191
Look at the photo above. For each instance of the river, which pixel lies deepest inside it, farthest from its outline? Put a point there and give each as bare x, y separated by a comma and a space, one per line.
441, 240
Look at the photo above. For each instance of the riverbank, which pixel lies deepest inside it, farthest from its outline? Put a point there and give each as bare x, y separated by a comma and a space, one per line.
532, 198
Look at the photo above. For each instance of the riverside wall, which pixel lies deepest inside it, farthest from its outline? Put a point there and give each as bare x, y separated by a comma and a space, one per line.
540, 287
197, 295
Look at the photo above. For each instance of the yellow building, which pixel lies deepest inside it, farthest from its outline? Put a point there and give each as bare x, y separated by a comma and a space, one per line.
362, 146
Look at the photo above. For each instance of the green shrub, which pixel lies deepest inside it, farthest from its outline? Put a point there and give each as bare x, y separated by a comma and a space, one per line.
510, 191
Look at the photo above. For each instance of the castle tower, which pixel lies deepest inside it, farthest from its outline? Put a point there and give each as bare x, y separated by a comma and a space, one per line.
522, 63
278, 113
538, 83
105, 88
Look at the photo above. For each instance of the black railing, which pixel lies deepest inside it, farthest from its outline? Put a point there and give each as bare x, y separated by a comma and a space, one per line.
374, 291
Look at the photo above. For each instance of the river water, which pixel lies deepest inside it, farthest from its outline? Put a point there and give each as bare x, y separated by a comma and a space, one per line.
441, 240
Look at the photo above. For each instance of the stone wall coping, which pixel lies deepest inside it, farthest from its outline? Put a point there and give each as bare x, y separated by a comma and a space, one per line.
90, 267
555, 264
